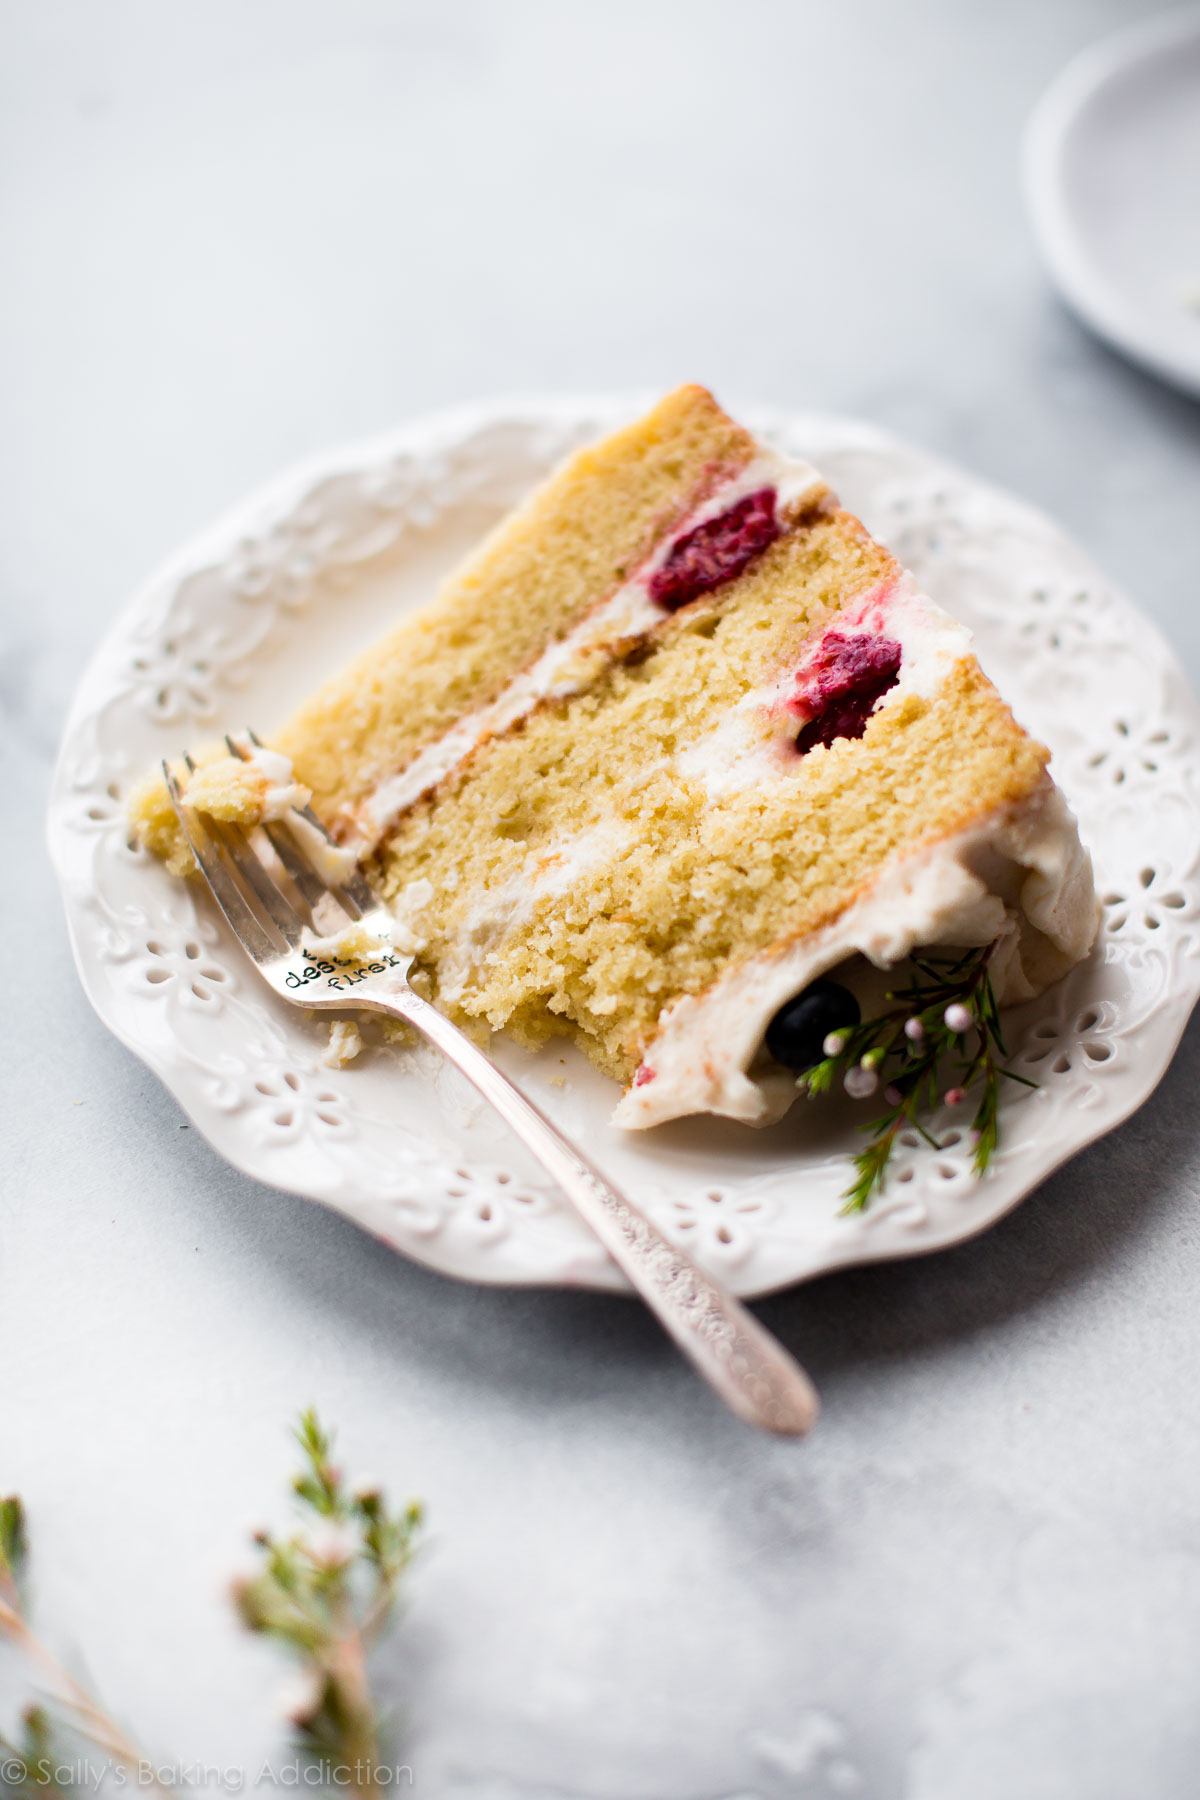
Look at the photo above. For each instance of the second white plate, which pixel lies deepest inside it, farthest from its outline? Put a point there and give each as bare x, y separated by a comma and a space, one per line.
1112, 162
244, 622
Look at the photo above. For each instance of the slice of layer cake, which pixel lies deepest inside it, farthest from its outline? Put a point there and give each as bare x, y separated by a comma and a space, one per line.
679, 738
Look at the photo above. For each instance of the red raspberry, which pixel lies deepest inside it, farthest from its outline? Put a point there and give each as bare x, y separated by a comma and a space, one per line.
717, 551
842, 685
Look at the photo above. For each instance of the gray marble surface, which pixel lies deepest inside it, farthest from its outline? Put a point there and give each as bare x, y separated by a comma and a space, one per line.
232, 233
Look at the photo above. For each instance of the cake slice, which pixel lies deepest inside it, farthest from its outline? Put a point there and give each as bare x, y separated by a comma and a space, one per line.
678, 739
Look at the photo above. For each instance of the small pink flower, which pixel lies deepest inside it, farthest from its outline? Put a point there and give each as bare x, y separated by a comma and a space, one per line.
332, 1544
892, 1095
955, 1096
861, 1083
299, 1696
957, 1017
914, 1031
834, 1044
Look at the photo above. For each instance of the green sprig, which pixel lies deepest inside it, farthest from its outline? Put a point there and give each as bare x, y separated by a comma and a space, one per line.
12, 1539
29, 1763
919, 1067
325, 1591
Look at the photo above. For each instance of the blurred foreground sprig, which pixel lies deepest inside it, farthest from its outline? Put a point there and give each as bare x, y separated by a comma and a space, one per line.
325, 1591
30, 1765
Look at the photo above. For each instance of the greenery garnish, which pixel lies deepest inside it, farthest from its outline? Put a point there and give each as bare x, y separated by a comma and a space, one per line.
326, 1591
939, 1038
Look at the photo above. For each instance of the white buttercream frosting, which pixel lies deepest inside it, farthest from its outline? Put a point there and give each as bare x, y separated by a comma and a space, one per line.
567, 666
332, 863
1021, 877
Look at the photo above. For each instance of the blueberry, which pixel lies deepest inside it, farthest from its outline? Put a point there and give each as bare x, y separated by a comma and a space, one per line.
797, 1033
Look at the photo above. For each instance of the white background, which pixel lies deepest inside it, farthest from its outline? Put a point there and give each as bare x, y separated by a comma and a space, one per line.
230, 233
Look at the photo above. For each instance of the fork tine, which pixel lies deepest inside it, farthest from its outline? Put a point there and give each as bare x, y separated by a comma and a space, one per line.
310, 885
229, 897
275, 904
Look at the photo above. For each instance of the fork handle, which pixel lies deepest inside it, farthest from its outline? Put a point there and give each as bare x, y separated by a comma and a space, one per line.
746, 1366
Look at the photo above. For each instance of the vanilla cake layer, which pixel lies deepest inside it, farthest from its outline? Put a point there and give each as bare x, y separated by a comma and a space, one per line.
680, 737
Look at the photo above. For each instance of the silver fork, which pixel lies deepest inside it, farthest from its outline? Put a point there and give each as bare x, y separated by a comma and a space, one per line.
746, 1366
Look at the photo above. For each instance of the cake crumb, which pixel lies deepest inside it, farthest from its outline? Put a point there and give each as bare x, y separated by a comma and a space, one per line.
354, 942
396, 1031
156, 826
245, 790
345, 1043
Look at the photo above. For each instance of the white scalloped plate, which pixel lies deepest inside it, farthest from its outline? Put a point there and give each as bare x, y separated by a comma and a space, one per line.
244, 622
